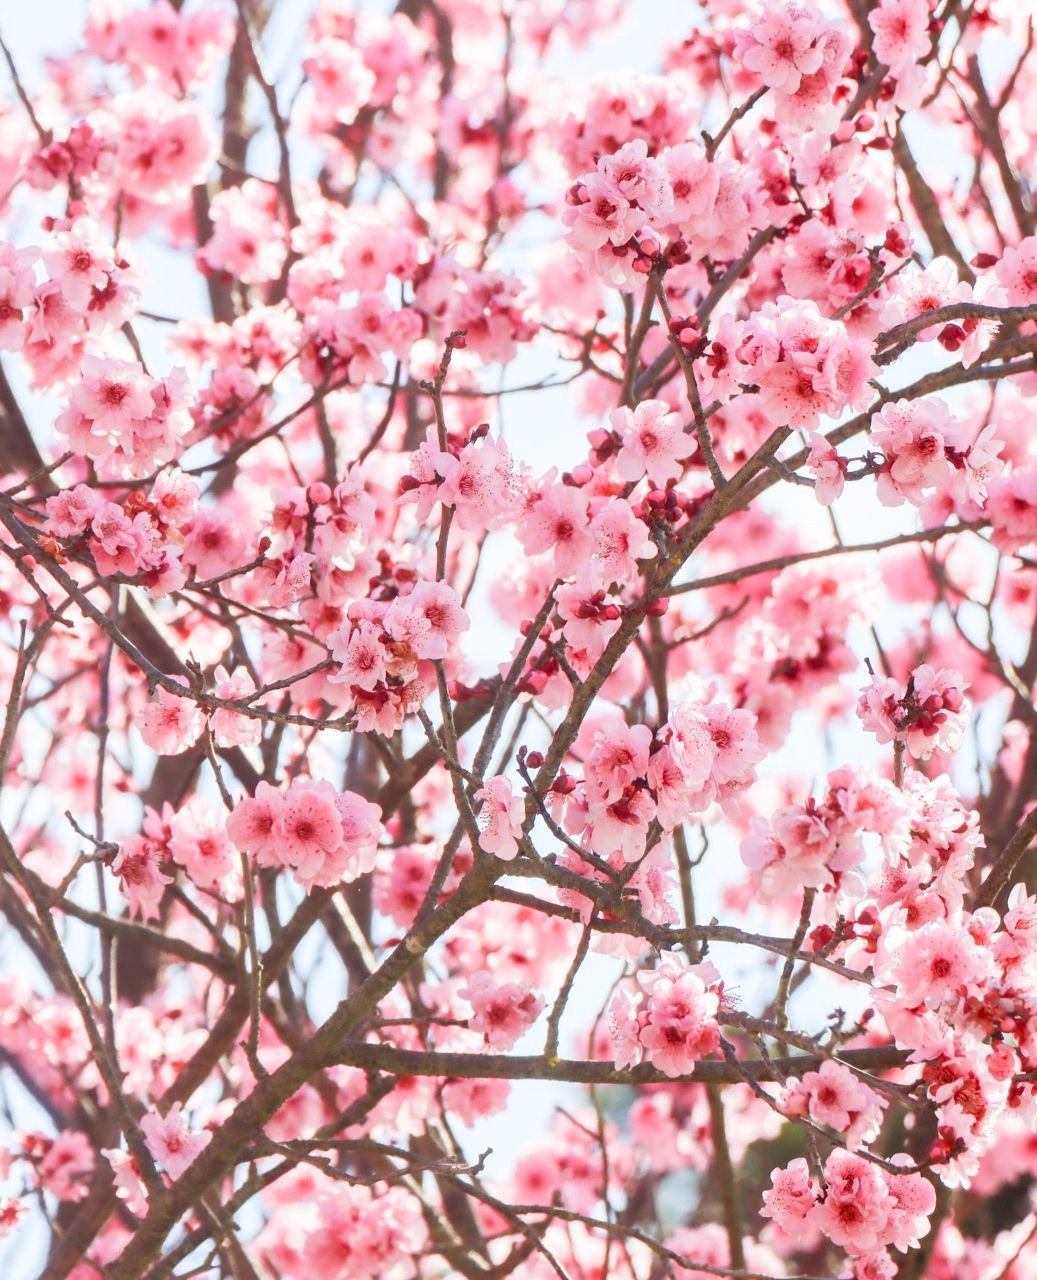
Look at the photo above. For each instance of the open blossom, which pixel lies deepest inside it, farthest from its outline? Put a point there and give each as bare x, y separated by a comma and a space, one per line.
429, 619
800, 849
654, 442
255, 824
1017, 272
619, 539
311, 827
199, 844
503, 1012
805, 365
930, 714
231, 728
557, 522
857, 1207
601, 214
500, 818
170, 724
835, 1097
782, 44
324, 836
828, 468
668, 1017
618, 756
791, 1198
901, 31
140, 878
171, 1141
911, 436
933, 964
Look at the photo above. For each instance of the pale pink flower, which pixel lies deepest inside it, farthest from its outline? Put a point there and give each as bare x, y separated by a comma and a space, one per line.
828, 468
791, 1198
619, 540
901, 29
503, 1012
129, 1186
557, 521
171, 1141
654, 442
1017, 272
142, 883
600, 214
782, 45
199, 844
430, 619
360, 653
500, 818
170, 724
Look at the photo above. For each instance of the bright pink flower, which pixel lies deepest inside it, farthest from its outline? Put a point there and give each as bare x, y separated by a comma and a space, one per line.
255, 827
79, 262
835, 1097
856, 1210
934, 964
311, 825
199, 844
673, 1022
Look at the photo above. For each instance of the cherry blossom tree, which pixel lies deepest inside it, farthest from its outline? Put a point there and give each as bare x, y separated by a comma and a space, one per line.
518, 640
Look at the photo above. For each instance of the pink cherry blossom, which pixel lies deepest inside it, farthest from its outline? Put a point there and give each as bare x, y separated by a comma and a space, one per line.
503, 1012
171, 1141
654, 442
169, 723
500, 818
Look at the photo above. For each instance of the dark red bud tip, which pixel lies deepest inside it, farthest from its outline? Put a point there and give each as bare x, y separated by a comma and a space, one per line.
657, 608
821, 937
984, 260
534, 759
952, 337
